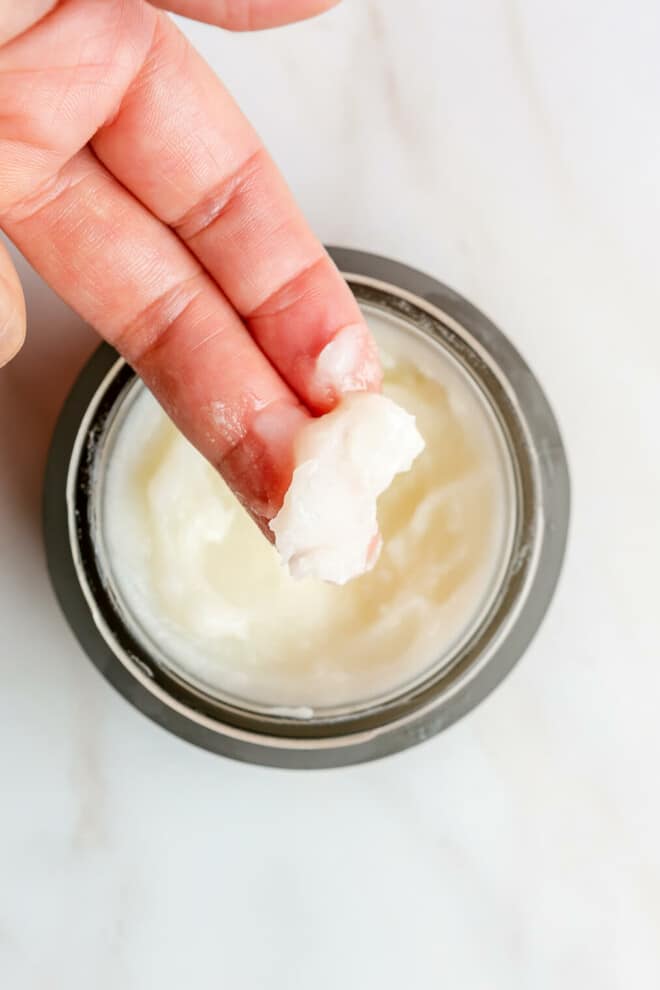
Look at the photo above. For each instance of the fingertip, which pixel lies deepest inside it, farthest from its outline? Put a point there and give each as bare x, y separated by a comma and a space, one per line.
259, 469
349, 362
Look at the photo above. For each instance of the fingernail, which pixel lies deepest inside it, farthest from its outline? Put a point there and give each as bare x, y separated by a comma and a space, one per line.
12, 327
348, 363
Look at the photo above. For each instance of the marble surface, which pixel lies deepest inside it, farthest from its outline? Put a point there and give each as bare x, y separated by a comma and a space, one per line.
512, 149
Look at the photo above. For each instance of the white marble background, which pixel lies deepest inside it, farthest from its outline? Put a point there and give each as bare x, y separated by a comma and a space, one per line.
512, 149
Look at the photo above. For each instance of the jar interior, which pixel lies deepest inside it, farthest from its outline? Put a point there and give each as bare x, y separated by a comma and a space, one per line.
394, 629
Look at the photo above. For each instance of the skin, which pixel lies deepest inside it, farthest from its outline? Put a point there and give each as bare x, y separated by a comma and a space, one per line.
132, 182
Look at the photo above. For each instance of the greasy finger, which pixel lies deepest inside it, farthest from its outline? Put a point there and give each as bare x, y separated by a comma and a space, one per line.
139, 286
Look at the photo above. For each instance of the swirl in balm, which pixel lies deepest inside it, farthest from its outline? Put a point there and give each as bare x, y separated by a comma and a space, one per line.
210, 595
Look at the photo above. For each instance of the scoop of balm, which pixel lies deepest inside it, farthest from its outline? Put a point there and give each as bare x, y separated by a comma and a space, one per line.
327, 526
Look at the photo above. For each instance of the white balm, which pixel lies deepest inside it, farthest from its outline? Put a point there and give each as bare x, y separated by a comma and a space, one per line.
214, 602
328, 526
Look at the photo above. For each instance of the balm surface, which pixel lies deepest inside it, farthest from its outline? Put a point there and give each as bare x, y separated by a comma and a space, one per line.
212, 599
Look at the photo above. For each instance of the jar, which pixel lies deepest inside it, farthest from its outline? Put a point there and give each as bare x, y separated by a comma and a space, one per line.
457, 681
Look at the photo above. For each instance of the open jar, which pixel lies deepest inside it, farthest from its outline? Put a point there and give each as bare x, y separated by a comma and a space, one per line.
389, 659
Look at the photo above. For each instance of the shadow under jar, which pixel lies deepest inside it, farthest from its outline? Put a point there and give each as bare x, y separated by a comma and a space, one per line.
323, 707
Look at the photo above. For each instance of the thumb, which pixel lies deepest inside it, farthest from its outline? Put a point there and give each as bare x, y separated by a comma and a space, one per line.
12, 309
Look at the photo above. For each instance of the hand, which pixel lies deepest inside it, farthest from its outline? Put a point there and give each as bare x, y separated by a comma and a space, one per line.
132, 182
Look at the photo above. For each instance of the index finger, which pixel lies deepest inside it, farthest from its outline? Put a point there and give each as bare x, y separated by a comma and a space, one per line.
181, 145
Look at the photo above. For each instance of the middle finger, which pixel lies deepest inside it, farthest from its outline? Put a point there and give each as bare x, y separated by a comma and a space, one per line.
182, 146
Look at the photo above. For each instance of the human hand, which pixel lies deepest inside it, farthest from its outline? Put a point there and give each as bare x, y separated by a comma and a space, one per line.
132, 182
